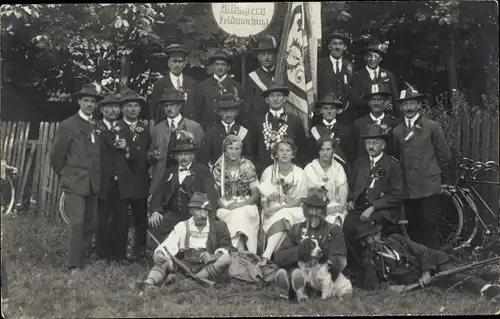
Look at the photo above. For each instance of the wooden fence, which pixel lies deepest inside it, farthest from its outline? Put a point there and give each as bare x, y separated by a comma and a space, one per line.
473, 138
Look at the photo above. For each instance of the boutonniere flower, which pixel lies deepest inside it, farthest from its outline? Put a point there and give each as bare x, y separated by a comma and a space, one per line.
383, 74
377, 173
349, 68
116, 129
418, 127
139, 129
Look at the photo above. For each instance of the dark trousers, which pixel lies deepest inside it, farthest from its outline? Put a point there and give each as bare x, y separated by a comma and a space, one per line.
81, 228
112, 229
140, 220
170, 219
422, 221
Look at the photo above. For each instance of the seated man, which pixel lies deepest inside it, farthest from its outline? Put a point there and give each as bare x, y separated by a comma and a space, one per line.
396, 262
293, 251
202, 243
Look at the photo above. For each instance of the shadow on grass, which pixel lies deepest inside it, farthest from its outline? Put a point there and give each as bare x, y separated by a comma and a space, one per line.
35, 256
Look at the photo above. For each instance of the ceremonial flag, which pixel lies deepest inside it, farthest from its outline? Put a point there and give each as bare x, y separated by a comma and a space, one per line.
298, 57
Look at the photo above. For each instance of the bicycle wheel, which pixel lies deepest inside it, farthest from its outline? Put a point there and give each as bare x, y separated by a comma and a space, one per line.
449, 217
471, 222
8, 195
62, 211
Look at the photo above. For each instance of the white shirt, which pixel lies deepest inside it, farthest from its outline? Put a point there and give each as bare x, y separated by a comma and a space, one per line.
177, 238
225, 126
411, 122
184, 174
376, 159
372, 71
379, 119
174, 79
83, 116
276, 113
220, 79
334, 62
331, 123
109, 125
176, 121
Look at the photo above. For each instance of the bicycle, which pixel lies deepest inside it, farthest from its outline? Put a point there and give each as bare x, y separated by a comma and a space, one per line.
8, 191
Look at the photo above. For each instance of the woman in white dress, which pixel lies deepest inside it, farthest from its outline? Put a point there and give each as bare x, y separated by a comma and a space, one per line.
325, 171
236, 181
282, 186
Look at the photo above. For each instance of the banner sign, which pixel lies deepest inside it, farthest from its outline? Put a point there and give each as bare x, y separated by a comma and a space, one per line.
243, 19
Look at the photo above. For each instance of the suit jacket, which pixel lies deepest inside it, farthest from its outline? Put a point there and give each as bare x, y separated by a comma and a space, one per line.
199, 180
160, 142
211, 147
115, 164
341, 131
357, 147
255, 104
423, 158
415, 260
329, 82
138, 160
361, 85
189, 85
205, 111
294, 131
75, 158
385, 196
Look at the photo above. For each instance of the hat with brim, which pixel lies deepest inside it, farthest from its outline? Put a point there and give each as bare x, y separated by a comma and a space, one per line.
377, 89
219, 55
316, 197
339, 34
366, 228
176, 50
266, 43
172, 96
409, 94
88, 90
380, 48
185, 142
376, 131
200, 200
109, 99
227, 101
132, 96
331, 99
276, 87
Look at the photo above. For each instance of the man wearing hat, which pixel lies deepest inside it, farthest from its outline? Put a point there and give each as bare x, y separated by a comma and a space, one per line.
170, 197
219, 83
116, 183
330, 106
335, 73
275, 125
200, 242
177, 80
422, 149
259, 80
363, 80
375, 187
290, 278
138, 137
397, 262
165, 134
211, 147
75, 159
376, 99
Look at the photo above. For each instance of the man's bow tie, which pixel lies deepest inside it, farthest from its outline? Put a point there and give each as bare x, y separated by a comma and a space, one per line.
183, 169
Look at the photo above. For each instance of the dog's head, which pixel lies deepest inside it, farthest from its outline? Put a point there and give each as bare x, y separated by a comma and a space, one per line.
311, 250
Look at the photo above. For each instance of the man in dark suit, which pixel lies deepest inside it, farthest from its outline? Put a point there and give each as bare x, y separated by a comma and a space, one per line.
170, 198
138, 137
165, 133
211, 147
276, 125
219, 83
75, 158
177, 80
116, 184
363, 80
377, 98
423, 151
334, 75
375, 189
259, 80
330, 106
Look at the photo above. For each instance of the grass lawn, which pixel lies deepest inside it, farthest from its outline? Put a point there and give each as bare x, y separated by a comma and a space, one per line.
35, 254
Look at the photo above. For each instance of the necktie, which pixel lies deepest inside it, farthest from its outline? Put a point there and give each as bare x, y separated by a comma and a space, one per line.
183, 169
378, 121
228, 128
372, 163
408, 123
375, 75
178, 83
172, 125
337, 67
132, 126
